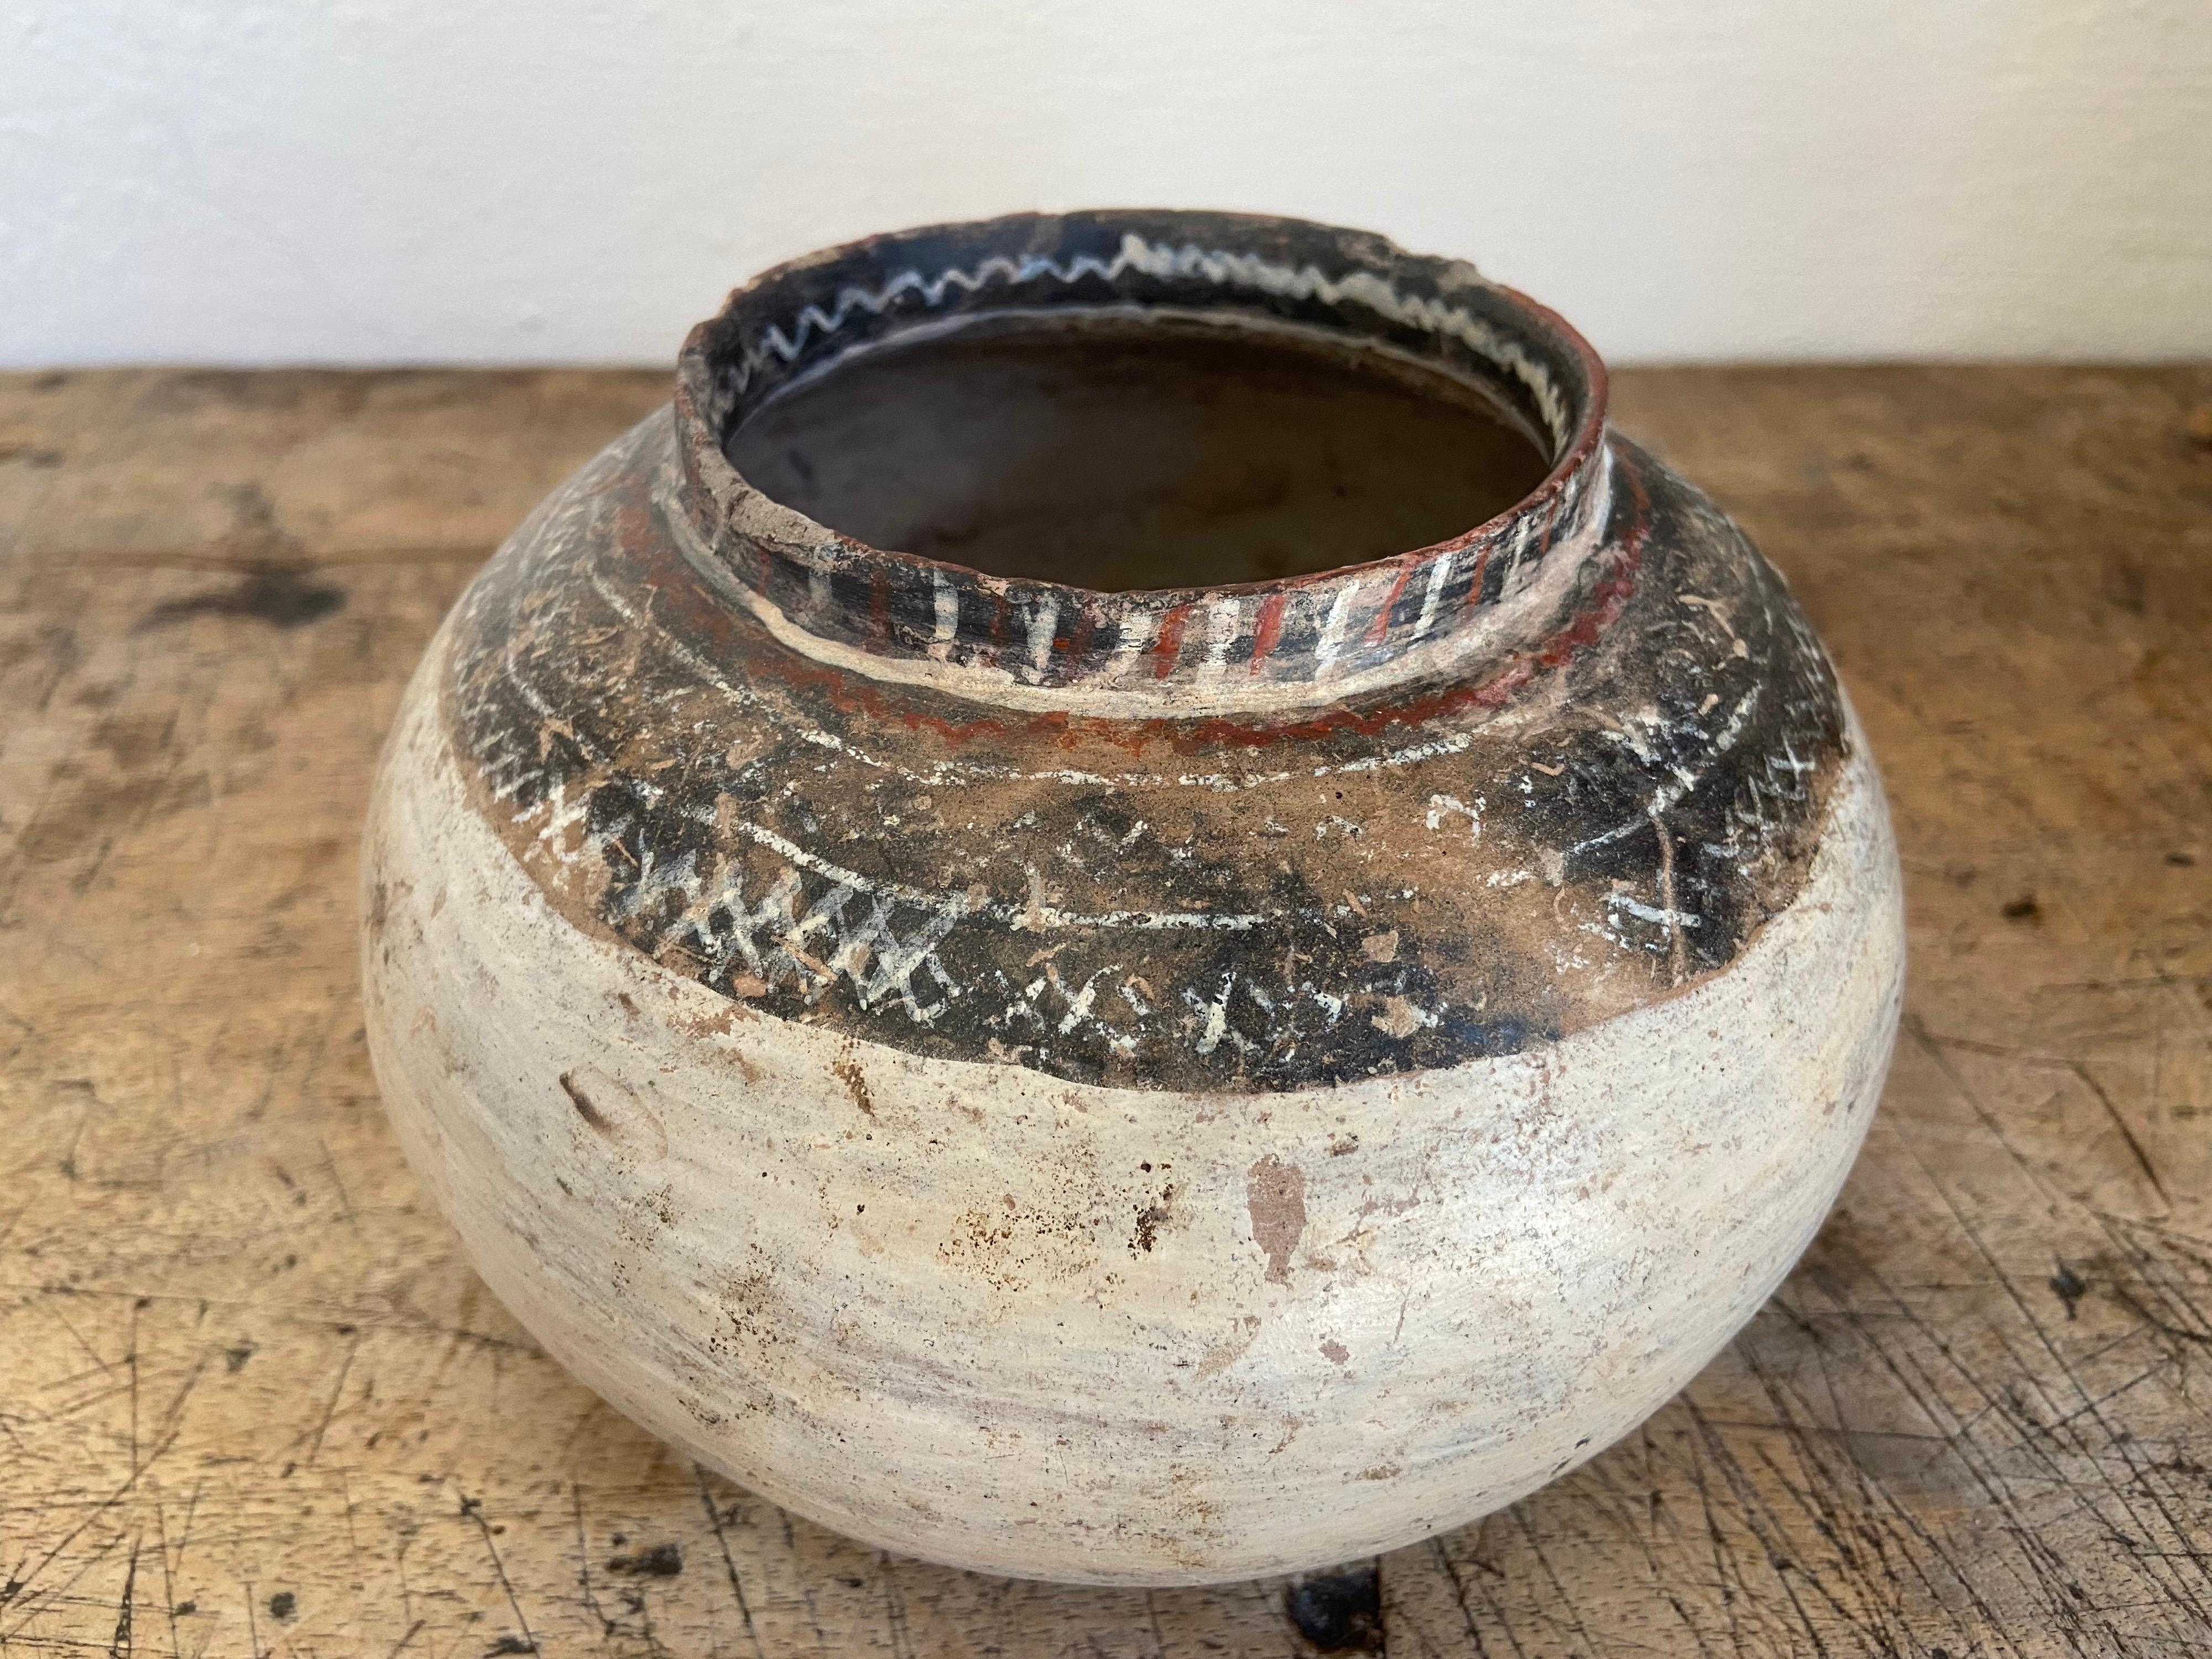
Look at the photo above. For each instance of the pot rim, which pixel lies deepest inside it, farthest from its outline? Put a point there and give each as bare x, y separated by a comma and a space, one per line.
1318, 635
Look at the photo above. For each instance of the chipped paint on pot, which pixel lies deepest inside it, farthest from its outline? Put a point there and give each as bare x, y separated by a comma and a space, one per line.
1148, 1086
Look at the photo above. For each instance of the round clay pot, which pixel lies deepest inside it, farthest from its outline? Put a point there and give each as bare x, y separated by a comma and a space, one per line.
1290, 968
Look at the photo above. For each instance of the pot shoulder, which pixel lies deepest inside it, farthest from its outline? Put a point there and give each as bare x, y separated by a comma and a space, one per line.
1464, 867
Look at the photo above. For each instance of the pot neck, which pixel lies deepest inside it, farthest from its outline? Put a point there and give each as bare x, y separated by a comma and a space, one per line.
1043, 645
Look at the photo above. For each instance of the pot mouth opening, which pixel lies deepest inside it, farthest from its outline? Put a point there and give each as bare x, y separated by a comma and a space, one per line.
1119, 455
1119, 449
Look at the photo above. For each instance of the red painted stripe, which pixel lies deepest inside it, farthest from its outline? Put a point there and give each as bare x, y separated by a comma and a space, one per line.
1474, 585
1551, 523
1168, 645
1269, 627
1379, 629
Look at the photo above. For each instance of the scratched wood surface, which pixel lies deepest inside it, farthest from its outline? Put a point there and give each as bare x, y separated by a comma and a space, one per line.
251, 1402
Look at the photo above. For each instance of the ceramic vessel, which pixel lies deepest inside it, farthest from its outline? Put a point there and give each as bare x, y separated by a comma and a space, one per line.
1076, 1073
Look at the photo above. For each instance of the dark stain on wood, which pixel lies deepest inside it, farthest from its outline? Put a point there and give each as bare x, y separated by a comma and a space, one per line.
662, 1561
283, 596
2068, 1287
1338, 1612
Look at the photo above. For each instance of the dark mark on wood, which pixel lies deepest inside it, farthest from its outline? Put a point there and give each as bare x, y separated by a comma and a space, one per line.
662, 1561
2069, 1289
1339, 1611
120, 1647
282, 595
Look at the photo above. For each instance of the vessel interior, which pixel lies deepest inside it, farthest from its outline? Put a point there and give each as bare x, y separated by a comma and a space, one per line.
1122, 452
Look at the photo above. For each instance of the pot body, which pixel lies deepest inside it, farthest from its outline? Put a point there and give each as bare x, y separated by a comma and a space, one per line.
1106, 1124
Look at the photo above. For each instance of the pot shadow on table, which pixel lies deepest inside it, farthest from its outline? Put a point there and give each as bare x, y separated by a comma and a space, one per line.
252, 1402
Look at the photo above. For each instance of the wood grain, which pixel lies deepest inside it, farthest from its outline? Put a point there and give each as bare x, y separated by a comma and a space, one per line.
252, 1402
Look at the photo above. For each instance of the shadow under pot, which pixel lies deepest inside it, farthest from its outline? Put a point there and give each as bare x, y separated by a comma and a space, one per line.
1128, 905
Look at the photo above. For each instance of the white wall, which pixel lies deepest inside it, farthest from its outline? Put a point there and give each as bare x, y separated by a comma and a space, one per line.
396, 180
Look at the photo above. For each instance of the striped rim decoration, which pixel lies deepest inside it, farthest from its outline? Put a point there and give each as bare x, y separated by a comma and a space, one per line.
1319, 637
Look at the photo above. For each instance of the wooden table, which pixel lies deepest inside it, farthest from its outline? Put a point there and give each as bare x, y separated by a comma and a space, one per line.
251, 1402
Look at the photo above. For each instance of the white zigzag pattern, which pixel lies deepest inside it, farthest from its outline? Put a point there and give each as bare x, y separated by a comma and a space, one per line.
1224, 269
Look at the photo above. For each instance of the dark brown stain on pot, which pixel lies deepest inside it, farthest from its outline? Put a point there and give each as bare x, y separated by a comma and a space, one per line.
585, 1109
1151, 1218
1275, 1196
855, 1080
